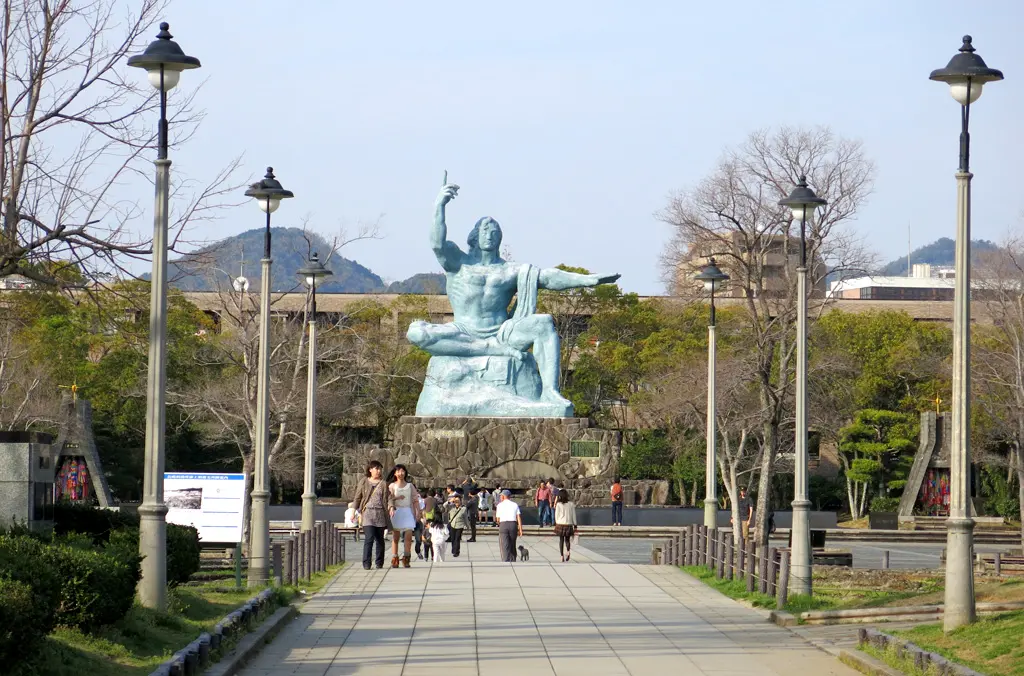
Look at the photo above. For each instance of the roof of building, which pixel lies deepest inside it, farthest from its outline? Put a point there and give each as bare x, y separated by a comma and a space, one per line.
892, 283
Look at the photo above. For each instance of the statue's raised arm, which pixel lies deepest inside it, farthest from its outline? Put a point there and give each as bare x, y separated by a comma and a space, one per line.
449, 255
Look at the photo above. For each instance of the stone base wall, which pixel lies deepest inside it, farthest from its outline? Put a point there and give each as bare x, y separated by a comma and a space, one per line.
517, 452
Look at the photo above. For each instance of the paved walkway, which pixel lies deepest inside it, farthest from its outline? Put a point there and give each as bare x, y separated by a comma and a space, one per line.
476, 615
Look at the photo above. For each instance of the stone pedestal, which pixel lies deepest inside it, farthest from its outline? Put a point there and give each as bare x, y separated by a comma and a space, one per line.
517, 452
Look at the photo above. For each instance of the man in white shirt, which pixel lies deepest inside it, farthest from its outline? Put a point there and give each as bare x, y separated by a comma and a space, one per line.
510, 526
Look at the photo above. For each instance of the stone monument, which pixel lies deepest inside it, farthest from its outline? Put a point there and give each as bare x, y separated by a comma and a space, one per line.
490, 406
26, 478
927, 487
79, 474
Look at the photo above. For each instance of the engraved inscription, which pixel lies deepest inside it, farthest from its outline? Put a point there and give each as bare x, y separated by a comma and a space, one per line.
430, 435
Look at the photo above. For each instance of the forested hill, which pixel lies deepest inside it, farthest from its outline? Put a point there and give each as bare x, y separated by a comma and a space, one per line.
938, 253
216, 265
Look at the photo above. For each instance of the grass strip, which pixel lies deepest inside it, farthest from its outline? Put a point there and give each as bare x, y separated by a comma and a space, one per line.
992, 645
823, 599
900, 662
144, 638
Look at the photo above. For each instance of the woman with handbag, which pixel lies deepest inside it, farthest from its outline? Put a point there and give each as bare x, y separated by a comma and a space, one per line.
565, 523
371, 499
404, 509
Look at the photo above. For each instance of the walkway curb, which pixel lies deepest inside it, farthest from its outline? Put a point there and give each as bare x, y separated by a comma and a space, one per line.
866, 664
251, 643
782, 618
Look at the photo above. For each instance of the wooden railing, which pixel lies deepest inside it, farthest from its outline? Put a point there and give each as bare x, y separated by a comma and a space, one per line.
766, 572
299, 556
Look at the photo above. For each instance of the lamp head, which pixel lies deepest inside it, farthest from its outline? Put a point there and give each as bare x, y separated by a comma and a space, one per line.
802, 201
313, 271
268, 192
966, 71
712, 276
164, 60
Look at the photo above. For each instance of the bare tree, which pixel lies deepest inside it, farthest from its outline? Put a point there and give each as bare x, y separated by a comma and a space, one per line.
677, 399
733, 215
998, 358
75, 125
28, 394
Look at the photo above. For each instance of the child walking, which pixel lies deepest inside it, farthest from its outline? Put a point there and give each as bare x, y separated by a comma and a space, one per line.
438, 537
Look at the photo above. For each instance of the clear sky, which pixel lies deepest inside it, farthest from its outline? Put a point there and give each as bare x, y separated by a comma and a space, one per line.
570, 121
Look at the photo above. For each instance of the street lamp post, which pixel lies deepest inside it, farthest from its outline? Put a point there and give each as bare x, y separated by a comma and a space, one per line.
965, 74
713, 279
268, 194
802, 202
163, 61
310, 273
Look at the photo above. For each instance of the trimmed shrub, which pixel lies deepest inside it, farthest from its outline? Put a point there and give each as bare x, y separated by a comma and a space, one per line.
93, 521
95, 587
20, 618
182, 553
22, 561
883, 504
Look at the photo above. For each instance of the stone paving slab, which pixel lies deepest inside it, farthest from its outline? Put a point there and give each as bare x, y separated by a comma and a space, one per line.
588, 617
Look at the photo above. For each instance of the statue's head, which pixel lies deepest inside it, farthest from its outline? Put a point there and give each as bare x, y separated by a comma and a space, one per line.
485, 235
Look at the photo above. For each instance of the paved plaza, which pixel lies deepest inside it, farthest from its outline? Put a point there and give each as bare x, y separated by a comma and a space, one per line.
476, 615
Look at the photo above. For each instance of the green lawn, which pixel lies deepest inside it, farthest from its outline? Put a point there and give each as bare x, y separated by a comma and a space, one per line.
825, 598
992, 645
145, 638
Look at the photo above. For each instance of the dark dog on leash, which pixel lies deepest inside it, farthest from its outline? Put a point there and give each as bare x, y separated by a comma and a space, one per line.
524, 553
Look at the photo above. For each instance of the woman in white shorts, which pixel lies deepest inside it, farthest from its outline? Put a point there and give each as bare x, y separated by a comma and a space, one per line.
404, 507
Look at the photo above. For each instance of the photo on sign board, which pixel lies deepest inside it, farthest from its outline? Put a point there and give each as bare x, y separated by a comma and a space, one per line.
184, 498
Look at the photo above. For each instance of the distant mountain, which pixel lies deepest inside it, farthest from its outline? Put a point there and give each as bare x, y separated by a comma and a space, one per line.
216, 265
424, 283
939, 253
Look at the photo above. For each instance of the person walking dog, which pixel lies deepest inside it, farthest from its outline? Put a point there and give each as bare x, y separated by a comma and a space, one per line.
510, 526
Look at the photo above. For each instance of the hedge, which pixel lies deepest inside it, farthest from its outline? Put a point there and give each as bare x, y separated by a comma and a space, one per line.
96, 588
22, 566
183, 551
21, 615
183, 547
93, 521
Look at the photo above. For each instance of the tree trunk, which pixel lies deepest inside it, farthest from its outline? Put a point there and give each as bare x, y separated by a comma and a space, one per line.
248, 467
764, 484
1019, 457
729, 479
851, 496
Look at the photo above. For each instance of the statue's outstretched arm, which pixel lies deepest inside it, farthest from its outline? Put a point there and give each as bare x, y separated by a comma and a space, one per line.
560, 280
449, 255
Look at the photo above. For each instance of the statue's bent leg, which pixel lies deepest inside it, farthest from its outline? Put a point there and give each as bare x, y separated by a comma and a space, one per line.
448, 340
539, 331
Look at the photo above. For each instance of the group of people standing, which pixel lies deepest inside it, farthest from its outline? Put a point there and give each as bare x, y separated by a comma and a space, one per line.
431, 523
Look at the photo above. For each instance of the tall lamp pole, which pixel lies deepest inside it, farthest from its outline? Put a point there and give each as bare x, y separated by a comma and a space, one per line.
802, 202
310, 273
713, 279
965, 74
163, 61
268, 194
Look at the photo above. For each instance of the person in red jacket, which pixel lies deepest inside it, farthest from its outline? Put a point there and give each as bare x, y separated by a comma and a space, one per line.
617, 503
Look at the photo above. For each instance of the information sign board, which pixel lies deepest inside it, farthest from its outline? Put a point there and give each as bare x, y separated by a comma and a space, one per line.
213, 503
